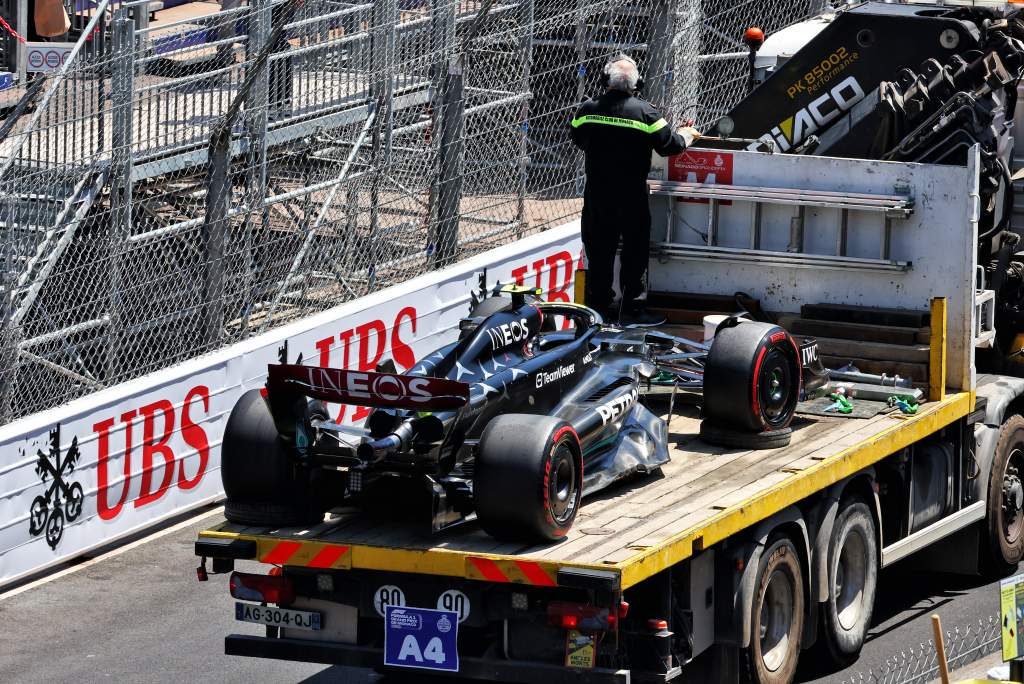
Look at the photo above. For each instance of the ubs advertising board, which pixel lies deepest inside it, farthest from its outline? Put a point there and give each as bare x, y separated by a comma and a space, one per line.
107, 465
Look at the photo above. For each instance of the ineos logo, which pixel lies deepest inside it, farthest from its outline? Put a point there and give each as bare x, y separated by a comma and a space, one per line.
358, 385
508, 333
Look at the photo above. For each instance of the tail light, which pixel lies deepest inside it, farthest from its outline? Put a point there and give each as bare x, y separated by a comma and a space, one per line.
581, 616
262, 588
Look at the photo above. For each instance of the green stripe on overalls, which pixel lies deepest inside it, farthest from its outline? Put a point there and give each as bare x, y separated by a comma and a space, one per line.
622, 123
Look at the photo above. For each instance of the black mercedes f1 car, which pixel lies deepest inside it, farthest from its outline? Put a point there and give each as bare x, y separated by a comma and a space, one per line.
515, 422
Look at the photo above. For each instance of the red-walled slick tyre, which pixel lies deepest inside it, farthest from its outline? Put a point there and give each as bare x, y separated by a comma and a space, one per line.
528, 479
752, 377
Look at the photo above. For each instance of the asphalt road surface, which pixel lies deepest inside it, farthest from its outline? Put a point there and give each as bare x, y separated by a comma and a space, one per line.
139, 615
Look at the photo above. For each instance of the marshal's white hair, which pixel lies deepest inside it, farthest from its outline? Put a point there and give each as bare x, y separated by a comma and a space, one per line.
622, 74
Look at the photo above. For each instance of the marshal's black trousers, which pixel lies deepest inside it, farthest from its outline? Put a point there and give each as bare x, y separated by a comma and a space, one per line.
609, 216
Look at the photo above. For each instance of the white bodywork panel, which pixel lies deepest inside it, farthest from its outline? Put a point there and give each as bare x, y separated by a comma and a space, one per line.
937, 242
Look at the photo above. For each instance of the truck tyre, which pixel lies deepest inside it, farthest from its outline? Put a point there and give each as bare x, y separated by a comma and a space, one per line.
528, 479
1004, 515
730, 437
752, 377
263, 483
852, 580
776, 615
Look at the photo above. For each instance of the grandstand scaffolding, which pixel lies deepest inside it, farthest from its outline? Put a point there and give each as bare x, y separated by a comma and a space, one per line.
180, 185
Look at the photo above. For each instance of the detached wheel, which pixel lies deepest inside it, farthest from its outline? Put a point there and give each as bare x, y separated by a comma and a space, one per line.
732, 438
852, 580
263, 483
528, 482
752, 377
1004, 516
777, 615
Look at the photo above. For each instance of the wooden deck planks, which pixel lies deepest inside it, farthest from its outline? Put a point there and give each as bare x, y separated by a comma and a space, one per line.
700, 482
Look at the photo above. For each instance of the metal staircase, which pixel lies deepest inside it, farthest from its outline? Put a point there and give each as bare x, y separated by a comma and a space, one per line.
42, 219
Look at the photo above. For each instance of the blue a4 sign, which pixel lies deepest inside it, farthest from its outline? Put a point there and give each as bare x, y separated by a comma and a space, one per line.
421, 638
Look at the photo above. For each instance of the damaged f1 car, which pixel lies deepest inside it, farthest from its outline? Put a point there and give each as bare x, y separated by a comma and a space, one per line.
515, 422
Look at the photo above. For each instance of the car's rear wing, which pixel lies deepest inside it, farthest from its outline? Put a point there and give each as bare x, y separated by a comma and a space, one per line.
363, 388
290, 385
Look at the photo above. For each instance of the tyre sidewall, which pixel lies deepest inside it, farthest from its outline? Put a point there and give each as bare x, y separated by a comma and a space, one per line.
263, 483
731, 380
779, 554
1002, 555
510, 486
844, 645
564, 435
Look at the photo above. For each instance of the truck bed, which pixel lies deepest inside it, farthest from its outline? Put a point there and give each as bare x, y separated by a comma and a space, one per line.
633, 529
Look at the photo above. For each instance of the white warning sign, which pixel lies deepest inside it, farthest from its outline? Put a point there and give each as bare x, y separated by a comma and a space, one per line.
42, 57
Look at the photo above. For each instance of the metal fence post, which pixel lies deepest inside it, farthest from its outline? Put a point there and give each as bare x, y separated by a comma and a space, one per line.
218, 199
442, 38
382, 64
257, 117
581, 41
122, 86
659, 56
526, 55
444, 241
8, 329
686, 66
22, 25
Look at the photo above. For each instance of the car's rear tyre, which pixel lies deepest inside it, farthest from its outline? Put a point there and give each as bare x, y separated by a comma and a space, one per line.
730, 437
776, 615
752, 377
528, 480
264, 484
852, 579
1004, 515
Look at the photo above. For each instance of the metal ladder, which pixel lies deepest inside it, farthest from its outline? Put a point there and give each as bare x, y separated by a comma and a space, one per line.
891, 208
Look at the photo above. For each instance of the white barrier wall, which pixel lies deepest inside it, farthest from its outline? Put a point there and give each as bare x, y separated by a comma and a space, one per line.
107, 465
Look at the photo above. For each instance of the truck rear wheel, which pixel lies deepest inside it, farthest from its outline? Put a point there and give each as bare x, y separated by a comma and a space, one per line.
852, 579
752, 377
1004, 517
776, 615
528, 479
263, 483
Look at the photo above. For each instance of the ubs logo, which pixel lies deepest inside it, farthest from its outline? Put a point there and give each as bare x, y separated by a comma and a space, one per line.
62, 501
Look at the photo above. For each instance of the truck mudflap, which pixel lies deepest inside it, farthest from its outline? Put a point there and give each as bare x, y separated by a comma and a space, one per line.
350, 655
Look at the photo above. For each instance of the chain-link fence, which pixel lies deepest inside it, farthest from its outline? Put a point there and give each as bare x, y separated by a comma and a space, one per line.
177, 186
920, 665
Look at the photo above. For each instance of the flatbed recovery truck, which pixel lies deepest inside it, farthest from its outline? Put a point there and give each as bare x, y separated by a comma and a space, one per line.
727, 563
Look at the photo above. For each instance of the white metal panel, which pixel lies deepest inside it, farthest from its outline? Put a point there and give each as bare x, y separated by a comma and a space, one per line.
939, 238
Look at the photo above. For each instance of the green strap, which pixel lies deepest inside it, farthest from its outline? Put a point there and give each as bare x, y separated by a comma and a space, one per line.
622, 123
